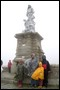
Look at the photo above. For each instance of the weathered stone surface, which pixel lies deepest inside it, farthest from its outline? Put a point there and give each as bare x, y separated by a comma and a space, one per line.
5, 69
54, 72
13, 68
53, 82
28, 43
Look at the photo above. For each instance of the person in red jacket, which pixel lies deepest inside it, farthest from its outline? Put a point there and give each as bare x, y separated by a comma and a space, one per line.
9, 66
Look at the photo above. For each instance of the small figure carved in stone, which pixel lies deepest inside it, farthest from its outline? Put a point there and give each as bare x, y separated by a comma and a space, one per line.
30, 11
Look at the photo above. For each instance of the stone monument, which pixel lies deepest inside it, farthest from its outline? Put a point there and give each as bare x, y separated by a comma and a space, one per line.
28, 41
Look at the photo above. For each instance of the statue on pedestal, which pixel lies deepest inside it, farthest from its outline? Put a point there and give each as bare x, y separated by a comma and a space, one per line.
29, 23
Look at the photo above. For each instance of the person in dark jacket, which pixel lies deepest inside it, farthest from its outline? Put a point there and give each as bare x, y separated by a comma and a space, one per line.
20, 73
47, 69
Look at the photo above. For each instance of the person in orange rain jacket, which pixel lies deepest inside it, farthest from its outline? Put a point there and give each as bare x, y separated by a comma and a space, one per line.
38, 76
9, 66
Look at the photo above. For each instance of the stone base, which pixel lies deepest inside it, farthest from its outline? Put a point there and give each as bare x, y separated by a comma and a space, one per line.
27, 43
13, 68
53, 78
9, 78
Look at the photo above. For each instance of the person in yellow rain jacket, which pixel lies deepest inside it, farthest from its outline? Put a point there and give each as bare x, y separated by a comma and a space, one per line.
38, 75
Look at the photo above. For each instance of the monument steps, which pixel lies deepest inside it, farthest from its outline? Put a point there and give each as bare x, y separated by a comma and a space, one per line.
9, 78
52, 82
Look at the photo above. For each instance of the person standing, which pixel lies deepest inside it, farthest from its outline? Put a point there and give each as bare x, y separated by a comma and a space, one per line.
9, 66
47, 69
38, 76
33, 63
20, 73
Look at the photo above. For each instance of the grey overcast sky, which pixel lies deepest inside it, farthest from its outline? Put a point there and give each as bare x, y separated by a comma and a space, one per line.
47, 25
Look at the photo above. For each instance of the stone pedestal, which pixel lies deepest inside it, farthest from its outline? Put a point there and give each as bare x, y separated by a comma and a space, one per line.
27, 43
